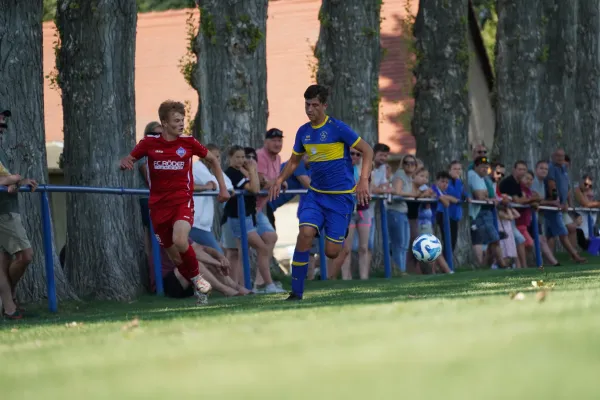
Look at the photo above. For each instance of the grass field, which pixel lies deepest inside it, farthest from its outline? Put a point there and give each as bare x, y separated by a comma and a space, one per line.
429, 337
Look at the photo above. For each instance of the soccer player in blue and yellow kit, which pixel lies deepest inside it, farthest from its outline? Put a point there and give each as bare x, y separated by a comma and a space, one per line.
328, 206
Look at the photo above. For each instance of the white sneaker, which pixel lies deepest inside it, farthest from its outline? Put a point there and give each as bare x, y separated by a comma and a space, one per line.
272, 288
201, 285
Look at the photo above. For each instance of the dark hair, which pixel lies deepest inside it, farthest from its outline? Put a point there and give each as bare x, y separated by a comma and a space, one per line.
212, 147
520, 162
454, 162
381, 148
567, 158
317, 91
234, 149
496, 165
530, 172
540, 162
586, 177
443, 175
250, 151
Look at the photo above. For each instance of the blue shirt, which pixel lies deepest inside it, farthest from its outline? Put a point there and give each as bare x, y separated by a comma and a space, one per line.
559, 174
293, 183
328, 148
455, 189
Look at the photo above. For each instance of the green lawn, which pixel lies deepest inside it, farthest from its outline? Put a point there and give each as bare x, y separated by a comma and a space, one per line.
430, 337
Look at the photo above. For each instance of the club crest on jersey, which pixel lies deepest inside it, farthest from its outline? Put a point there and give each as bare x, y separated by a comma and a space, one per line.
323, 136
180, 152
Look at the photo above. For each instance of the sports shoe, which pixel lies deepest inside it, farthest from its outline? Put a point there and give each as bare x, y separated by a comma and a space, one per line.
201, 299
17, 315
293, 297
201, 285
272, 288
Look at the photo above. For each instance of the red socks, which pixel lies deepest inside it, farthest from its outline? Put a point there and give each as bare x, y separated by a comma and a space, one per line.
189, 265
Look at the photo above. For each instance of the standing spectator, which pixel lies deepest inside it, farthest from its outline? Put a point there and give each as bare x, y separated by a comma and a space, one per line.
558, 189
538, 187
511, 186
440, 189
381, 169
483, 231
567, 219
455, 190
15, 250
268, 167
398, 225
204, 180
244, 176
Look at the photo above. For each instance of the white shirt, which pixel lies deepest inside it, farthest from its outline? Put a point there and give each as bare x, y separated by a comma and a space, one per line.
379, 175
204, 206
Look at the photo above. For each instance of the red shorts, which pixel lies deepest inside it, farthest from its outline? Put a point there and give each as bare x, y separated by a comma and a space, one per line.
163, 219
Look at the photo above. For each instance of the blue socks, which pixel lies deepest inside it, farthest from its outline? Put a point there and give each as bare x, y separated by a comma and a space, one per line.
299, 271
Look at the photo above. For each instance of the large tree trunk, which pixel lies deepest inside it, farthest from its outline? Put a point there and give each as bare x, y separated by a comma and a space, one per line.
231, 76
441, 116
21, 90
349, 55
96, 75
584, 149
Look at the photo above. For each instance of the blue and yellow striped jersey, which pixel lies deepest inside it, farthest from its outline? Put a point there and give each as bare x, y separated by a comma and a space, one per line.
328, 148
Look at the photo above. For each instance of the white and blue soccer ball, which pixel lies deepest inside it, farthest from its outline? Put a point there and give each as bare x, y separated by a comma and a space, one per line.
426, 248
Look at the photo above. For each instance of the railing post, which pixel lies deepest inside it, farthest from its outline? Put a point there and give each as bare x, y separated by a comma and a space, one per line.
448, 239
244, 241
156, 259
387, 264
48, 256
536, 239
322, 257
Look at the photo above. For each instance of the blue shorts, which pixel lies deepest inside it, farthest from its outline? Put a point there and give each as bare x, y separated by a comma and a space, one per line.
485, 231
227, 239
519, 238
234, 223
555, 226
263, 225
205, 238
330, 213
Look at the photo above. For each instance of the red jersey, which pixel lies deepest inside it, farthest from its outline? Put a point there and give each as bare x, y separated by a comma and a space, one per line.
169, 165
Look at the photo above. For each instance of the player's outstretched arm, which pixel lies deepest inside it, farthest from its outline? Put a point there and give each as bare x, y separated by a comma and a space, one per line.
127, 162
288, 170
223, 195
363, 194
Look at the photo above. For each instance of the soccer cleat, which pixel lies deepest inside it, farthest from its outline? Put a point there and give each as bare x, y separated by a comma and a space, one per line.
201, 285
293, 297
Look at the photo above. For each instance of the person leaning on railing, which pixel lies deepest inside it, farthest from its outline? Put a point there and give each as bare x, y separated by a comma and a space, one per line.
584, 197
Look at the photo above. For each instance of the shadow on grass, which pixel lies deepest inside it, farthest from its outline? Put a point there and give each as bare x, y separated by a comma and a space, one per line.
321, 294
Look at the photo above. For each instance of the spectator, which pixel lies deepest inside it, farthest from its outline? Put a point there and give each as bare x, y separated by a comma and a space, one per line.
398, 225
15, 249
524, 221
567, 219
201, 232
361, 221
511, 187
455, 190
483, 231
440, 188
558, 189
506, 218
497, 173
381, 169
269, 166
584, 197
538, 188
479, 150
243, 175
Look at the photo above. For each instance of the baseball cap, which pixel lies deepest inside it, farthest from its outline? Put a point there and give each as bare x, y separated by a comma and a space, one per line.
274, 133
6, 113
481, 160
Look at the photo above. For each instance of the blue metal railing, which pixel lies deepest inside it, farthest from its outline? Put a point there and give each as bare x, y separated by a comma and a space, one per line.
47, 231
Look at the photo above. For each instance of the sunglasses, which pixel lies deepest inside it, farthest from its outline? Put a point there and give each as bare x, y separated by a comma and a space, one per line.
481, 151
410, 163
355, 154
500, 174
588, 185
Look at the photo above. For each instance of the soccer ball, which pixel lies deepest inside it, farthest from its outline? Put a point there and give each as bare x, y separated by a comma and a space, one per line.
426, 248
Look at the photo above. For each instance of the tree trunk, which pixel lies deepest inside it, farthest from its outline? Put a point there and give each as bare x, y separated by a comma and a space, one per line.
25, 141
349, 55
96, 74
441, 116
519, 76
231, 76
584, 150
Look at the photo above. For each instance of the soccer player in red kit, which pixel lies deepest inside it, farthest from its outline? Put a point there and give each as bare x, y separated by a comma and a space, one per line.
169, 166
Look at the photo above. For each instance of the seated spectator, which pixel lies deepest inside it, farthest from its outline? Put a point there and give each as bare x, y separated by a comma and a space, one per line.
243, 175
201, 232
483, 231
584, 197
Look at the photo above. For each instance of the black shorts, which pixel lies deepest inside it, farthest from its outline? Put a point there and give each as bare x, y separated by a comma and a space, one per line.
173, 288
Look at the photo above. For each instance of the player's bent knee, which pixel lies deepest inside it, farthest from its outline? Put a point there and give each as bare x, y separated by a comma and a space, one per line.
181, 243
